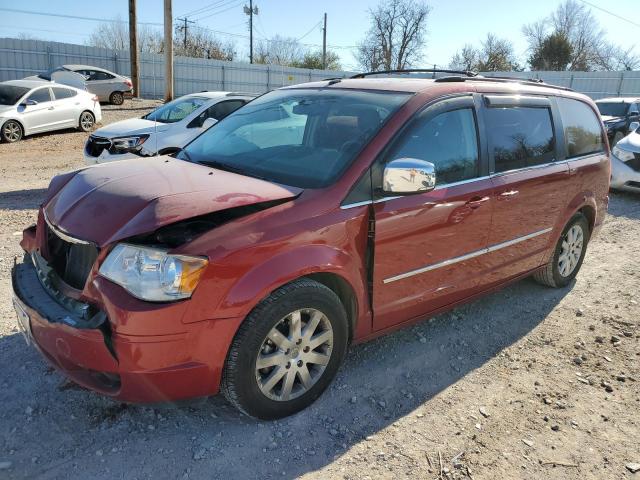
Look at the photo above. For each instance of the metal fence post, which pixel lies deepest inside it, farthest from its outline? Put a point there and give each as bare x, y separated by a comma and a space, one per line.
50, 57
620, 83
268, 78
115, 62
223, 79
571, 81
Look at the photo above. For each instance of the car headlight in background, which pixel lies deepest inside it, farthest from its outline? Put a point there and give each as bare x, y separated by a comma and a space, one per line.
152, 274
128, 144
621, 154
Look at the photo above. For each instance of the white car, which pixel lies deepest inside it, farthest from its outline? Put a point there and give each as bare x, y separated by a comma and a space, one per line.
163, 131
35, 106
625, 161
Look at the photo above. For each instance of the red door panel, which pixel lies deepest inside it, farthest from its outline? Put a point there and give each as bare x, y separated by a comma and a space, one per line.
527, 206
426, 250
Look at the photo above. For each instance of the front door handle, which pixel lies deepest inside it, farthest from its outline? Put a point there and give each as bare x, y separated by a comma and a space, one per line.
476, 202
50, 108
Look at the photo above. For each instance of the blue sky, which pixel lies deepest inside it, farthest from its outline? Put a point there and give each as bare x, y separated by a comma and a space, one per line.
451, 23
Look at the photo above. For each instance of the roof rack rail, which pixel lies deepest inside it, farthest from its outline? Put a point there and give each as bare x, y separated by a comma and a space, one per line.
466, 73
524, 81
247, 94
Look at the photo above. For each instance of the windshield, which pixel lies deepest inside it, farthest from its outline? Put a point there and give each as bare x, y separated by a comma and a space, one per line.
613, 109
47, 76
176, 110
299, 137
10, 94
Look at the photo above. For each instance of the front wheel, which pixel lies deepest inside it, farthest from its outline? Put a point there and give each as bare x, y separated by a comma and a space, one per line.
568, 255
287, 351
87, 121
12, 131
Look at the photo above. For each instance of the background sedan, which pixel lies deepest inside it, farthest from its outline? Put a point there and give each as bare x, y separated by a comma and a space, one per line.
35, 106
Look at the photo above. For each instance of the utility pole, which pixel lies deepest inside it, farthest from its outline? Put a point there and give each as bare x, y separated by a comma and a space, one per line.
251, 11
184, 29
133, 48
168, 51
324, 43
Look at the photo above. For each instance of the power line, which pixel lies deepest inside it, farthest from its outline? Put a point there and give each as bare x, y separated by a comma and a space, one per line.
205, 8
620, 17
75, 17
309, 32
222, 11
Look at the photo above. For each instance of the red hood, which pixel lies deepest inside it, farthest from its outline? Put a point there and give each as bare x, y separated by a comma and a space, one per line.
116, 200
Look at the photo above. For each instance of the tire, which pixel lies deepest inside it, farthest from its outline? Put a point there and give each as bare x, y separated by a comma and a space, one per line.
248, 388
87, 121
116, 98
559, 273
617, 137
12, 131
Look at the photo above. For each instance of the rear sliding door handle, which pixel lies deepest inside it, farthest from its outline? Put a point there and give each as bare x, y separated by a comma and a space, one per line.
509, 194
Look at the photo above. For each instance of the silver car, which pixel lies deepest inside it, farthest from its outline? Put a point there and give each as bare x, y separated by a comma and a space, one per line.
108, 86
625, 162
35, 106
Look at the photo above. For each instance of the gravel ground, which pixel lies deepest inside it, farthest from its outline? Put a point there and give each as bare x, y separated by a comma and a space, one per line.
529, 382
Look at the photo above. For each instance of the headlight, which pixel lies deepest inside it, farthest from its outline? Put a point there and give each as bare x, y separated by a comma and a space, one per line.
622, 155
151, 273
128, 144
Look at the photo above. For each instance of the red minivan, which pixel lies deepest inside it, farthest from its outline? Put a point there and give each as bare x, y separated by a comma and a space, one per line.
317, 216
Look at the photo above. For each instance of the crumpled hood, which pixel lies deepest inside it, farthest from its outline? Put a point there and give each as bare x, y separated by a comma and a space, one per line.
631, 143
609, 118
117, 200
132, 126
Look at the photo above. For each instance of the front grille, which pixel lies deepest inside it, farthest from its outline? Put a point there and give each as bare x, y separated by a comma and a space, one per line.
634, 163
70, 260
95, 145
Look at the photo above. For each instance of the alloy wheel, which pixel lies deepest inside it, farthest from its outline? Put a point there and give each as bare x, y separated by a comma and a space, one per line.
572, 244
294, 355
86, 121
12, 131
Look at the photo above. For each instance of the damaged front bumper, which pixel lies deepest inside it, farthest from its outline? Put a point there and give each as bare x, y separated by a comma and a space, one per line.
78, 340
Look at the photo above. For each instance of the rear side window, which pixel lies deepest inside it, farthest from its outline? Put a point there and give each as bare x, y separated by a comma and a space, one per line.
520, 137
222, 109
448, 140
41, 95
62, 93
582, 131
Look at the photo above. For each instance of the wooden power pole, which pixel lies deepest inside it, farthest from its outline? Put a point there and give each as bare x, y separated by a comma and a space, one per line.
133, 48
168, 51
324, 43
251, 11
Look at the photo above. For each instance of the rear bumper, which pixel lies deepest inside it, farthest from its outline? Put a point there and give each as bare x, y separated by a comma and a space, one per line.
130, 368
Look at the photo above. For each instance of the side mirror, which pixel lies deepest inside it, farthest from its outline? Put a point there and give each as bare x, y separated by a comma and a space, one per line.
406, 176
28, 102
633, 126
208, 123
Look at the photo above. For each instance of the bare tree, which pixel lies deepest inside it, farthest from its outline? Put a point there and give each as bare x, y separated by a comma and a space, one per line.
278, 50
396, 36
466, 59
590, 49
495, 54
201, 43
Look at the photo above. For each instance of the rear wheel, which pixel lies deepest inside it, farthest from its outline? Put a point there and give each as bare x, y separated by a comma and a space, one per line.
87, 121
11, 131
116, 98
568, 255
287, 351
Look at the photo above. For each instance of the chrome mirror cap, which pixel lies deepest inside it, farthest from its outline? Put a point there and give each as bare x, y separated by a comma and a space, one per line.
405, 176
634, 126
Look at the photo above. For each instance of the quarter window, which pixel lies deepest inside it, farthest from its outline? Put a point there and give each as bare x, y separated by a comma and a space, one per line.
448, 140
582, 131
62, 93
41, 95
520, 137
